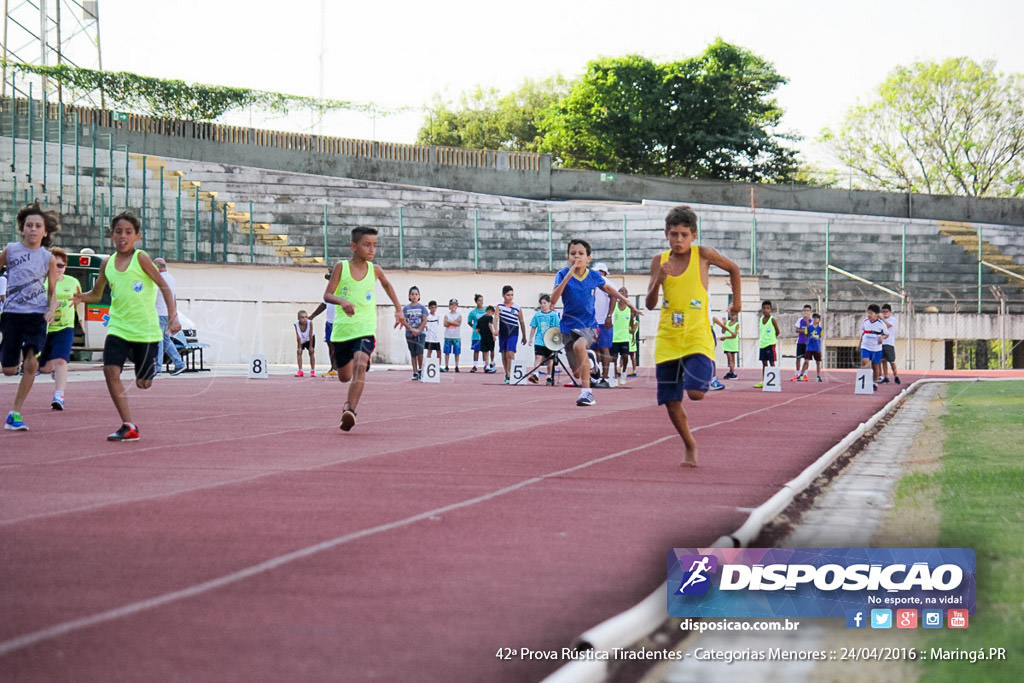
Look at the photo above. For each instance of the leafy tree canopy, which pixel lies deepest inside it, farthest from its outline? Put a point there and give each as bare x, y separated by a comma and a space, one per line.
485, 119
950, 127
711, 116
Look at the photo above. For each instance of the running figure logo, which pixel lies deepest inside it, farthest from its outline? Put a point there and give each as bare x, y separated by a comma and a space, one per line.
696, 581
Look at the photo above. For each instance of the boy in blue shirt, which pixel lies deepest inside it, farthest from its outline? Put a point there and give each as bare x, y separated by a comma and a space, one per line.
542, 321
813, 348
416, 315
576, 284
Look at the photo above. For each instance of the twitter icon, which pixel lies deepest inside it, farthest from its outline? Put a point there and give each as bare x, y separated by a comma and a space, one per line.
881, 618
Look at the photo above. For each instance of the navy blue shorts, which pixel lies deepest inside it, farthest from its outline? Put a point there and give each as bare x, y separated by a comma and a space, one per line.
58, 345
692, 373
23, 332
509, 342
345, 351
767, 354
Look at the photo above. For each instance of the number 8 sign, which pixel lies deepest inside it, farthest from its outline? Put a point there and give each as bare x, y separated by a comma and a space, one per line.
258, 368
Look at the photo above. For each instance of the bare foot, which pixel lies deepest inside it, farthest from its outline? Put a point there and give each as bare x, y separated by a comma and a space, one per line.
690, 460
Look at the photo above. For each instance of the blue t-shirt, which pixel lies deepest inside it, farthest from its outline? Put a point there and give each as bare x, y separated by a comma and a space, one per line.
414, 315
814, 337
578, 300
543, 322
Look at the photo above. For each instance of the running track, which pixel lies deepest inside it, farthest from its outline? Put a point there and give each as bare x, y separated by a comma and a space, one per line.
246, 538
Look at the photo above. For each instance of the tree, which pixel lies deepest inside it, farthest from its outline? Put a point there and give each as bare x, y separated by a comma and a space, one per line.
950, 127
706, 117
485, 119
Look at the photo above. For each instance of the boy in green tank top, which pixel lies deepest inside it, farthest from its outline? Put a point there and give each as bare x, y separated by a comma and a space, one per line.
353, 336
134, 331
768, 337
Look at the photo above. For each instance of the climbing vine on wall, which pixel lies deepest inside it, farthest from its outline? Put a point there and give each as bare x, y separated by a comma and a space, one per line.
167, 98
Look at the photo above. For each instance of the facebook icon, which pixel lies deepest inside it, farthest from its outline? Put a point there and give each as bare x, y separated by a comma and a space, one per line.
855, 618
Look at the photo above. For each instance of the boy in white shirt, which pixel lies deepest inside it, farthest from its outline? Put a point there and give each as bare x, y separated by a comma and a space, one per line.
872, 334
889, 346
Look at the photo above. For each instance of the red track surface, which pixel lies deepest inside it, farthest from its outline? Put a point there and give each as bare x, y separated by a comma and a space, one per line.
245, 538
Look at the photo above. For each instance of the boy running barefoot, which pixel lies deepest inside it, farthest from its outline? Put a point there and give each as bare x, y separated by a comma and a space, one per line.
352, 289
685, 347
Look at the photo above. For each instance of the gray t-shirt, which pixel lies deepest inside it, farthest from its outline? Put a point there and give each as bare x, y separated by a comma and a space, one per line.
26, 278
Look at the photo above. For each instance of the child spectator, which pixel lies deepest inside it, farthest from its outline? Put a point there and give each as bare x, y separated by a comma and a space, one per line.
415, 315
452, 333
328, 325
474, 340
134, 331
603, 314
305, 340
510, 327
889, 345
433, 338
352, 289
730, 341
622, 331
813, 350
801, 343
872, 335
30, 304
486, 328
61, 333
542, 321
576, 283
768, 337
685, 346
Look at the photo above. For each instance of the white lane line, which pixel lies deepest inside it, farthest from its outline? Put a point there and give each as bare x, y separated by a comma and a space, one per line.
273, 563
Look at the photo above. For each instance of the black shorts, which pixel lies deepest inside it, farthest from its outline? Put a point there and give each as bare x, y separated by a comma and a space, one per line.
889, 353
142, 354
433, 346
23, 332
620, 349
541, 350
767, 354
487, 344
345, 351
304, 346
801, 349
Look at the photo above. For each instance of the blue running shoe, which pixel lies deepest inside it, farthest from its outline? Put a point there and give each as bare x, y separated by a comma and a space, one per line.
15, 423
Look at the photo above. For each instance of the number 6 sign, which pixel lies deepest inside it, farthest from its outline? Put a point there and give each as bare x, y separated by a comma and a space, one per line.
431, 371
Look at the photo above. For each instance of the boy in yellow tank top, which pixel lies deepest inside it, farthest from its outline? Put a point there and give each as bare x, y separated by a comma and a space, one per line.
353, 336
684, 350
134, 331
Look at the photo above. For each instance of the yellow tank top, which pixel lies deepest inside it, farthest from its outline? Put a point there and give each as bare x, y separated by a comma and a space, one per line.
64, 316
362, 295
132, 302
684, 328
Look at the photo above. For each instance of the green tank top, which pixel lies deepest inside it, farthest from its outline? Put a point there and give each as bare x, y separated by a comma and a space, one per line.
732, 344
620, 324
132, 302
363, 323
768, 335
64, 317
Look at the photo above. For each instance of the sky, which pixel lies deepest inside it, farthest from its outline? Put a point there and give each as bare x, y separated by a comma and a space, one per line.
399, 53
